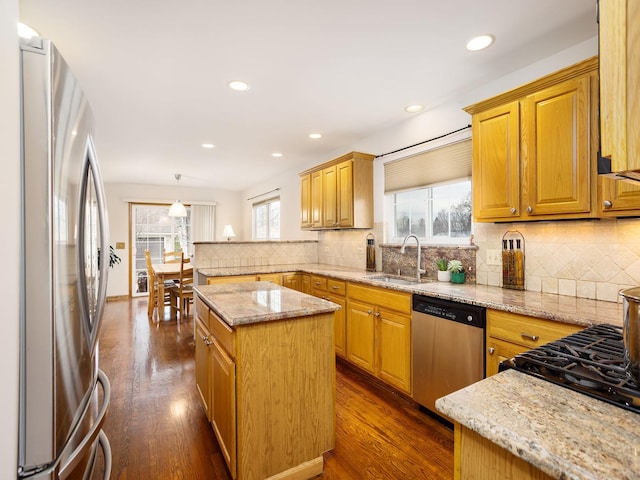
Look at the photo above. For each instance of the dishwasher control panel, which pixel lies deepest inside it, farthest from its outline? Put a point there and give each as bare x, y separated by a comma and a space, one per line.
458, 312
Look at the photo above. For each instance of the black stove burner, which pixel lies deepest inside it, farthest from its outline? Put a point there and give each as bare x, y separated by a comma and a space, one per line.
590, 361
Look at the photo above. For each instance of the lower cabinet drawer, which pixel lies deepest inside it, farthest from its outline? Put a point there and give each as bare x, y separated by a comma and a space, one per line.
526, 331
223, 333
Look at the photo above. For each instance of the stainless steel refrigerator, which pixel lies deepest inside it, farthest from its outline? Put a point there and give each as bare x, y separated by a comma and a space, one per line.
65, 259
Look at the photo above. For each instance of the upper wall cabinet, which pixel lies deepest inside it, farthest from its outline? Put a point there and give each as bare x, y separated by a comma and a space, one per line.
534, 149
619, 80
338, 194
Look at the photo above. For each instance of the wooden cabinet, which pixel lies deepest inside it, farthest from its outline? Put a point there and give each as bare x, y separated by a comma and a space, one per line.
333, 291
378, 331
479, 458
361, 335
341, 193
618, 198
556, 150
619, 78
270, 277
231, 279
291, 280
261, 277
305, 201
534, 149
509, 334
272, 384
316, 199
223, 403
496, 162
203, 365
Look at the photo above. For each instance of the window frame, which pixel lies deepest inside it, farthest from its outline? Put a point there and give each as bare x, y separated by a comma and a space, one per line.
428, 238
267, 202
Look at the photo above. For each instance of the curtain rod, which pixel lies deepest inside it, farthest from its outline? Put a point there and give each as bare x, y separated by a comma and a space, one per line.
423, 142
265, 193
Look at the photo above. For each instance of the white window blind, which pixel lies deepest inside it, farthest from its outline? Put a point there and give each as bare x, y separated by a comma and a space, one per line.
450, 162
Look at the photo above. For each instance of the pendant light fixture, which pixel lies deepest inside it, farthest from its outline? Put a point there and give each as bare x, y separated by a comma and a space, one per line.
177, 209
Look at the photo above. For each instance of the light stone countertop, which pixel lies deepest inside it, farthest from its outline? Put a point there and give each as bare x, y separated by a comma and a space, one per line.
563, 433
560, 308
244, 303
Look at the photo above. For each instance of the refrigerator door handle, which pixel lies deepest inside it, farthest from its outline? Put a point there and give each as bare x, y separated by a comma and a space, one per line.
94, 263
103, 443
90, 437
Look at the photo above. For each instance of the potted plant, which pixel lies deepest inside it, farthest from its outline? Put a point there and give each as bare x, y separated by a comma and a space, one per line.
457, 271
444, 275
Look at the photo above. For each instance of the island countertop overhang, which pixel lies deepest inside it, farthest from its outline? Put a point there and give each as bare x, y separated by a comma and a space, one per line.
254, 302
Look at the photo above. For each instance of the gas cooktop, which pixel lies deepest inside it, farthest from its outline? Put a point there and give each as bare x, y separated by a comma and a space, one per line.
590, 361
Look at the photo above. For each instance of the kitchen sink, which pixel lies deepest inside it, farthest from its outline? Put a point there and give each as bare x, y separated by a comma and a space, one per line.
388, 279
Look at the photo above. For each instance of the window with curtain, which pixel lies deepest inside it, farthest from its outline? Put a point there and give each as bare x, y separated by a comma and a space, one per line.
429, 195
266, 219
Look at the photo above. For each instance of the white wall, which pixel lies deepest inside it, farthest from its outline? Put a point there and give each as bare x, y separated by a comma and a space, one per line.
228, 210
433, 122
10, 239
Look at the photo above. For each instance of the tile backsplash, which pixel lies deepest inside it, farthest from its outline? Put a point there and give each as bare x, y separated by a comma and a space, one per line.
251, 254
583, 258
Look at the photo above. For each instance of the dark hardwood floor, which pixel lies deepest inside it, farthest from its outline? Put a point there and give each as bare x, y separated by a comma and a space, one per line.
158, 430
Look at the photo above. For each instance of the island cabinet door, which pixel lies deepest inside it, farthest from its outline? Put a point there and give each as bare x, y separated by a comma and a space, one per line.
203, 366
223, 404
360, 335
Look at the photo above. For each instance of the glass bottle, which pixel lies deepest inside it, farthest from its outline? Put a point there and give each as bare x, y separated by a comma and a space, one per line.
519, 257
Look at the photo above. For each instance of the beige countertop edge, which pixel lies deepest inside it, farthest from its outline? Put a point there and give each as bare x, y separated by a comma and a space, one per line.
565, 434
237, 305
559, 308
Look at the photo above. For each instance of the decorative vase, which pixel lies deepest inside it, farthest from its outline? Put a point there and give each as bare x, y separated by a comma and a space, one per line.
444, 275
457, 277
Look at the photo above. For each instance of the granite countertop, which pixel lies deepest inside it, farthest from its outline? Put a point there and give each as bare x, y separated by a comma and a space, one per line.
560, 308
244, 303
561, 432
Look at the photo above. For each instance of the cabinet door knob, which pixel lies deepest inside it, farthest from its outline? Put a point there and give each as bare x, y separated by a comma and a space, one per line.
377, 314
513, 210
607, 204
491, 350
369, 311
529, 209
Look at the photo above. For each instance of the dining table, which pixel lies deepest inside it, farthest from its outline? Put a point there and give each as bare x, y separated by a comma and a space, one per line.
164, 272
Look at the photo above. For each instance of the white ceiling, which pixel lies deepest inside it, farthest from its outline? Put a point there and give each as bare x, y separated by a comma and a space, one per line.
156, 73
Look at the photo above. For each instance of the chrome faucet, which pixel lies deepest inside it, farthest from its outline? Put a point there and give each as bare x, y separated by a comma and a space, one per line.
404, 242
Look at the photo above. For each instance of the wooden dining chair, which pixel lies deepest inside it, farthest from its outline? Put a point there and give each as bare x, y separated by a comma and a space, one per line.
182, 293
172, 257
152, 288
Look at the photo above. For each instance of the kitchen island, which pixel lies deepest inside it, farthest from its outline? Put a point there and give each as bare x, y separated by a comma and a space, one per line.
265, 371
513, 425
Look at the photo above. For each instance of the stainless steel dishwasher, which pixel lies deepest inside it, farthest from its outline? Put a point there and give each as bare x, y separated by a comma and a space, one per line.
447, 341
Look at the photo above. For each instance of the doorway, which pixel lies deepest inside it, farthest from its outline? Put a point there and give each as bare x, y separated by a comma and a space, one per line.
153, 229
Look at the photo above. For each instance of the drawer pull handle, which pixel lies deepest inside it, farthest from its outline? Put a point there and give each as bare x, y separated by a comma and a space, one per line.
491, 350
533, 338
335, 287
317, 283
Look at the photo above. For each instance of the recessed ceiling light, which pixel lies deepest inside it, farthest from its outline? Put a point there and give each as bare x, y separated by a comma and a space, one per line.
276, 154
25, 31
239, 85
315, 136
208, 145
414, 108
480, 42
